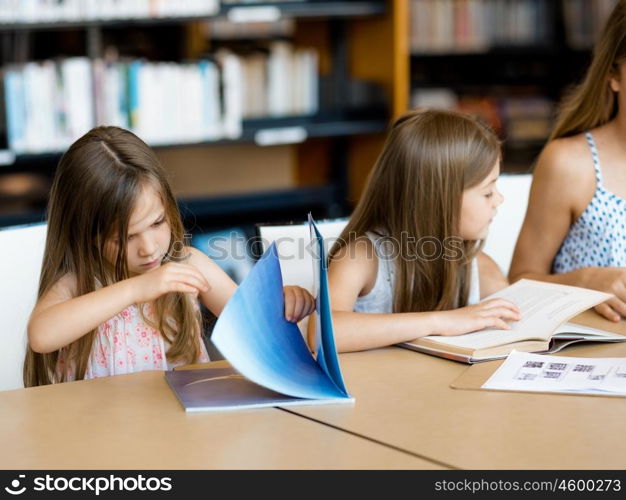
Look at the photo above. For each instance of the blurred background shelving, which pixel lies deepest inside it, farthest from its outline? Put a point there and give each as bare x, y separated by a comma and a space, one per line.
264, 111
509, 61
286, 111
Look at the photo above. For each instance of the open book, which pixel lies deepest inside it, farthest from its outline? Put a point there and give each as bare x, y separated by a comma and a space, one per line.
545, 307
271, 363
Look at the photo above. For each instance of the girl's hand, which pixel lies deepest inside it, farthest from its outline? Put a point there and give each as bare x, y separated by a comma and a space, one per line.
489, 314
609, 280
299, 303
170, 277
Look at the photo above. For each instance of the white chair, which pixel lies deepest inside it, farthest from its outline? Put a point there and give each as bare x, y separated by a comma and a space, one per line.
506, 225
292, 243
21, 253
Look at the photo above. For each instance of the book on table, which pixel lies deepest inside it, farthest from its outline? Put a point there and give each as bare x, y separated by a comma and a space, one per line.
554, 316
271, 364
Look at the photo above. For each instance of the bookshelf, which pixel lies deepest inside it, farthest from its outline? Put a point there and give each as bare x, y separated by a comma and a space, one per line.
509, 61
275, 167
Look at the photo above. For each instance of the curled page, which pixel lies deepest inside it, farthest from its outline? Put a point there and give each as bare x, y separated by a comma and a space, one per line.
325, 339
254, 336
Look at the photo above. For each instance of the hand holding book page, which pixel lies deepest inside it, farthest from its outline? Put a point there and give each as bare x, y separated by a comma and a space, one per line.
254, 336
543, 307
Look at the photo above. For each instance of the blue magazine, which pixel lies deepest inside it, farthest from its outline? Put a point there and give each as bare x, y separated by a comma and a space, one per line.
271, 363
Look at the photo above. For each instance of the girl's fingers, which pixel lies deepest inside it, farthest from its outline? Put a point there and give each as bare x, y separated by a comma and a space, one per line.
298, 305
181, 287
193, 273
200, 281
311, 306
193, 280
502, 312
308, 305
501, 325
494, 323
201, 276
501, 303
289, 303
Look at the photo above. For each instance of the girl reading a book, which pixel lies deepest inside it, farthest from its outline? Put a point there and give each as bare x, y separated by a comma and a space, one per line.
575, 227
119, 287
409, 262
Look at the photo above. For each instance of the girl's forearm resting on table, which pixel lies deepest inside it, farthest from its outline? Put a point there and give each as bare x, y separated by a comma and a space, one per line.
358, 331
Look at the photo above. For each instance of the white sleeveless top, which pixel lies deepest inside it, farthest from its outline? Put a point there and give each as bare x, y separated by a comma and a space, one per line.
380, 297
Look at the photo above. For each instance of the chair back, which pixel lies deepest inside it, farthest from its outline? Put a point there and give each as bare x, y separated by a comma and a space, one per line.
21, 254
507, 224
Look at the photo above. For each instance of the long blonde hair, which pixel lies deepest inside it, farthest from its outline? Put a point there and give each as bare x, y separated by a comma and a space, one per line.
593, 102
414, 192
96, 185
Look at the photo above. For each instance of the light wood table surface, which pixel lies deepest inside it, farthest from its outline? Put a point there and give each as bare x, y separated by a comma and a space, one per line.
404, 399
135, 422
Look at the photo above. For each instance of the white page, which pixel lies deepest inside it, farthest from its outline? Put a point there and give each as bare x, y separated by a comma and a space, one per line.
543, 306
585, 331
537, 372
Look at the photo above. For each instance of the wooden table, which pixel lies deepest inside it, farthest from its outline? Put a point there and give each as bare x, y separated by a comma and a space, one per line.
135, 422
404, 399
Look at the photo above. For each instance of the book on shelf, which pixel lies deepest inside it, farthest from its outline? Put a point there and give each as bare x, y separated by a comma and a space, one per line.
545, 308
40, 11
52, 103
584, 20
449, 26
271, 364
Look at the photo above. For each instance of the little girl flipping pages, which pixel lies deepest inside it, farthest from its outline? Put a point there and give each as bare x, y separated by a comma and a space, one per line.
119, 287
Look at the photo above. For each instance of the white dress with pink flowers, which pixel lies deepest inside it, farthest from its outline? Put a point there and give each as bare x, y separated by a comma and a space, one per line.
125, 344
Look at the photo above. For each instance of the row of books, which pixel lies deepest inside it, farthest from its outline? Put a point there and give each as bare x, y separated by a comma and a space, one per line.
51, 103
519, 119
477, 25
33, 11
248, 2
584, 19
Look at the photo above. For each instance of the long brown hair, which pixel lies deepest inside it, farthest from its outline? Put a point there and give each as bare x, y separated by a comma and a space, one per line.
593, 102
415, 191
96, 185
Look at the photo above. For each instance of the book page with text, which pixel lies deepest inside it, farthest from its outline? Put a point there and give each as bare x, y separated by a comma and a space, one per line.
544, 306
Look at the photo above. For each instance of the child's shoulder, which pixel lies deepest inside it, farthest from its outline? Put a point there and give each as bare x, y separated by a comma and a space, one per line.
357, 247
358, 253
355, 264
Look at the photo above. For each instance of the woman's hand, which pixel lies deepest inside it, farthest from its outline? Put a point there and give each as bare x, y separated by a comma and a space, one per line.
170, 277
609, 280
489, 314
299, 303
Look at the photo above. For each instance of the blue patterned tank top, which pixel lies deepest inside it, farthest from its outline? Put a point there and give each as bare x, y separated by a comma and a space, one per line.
598, 237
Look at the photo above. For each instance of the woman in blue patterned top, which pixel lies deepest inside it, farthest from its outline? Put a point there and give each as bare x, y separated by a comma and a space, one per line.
575, 227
